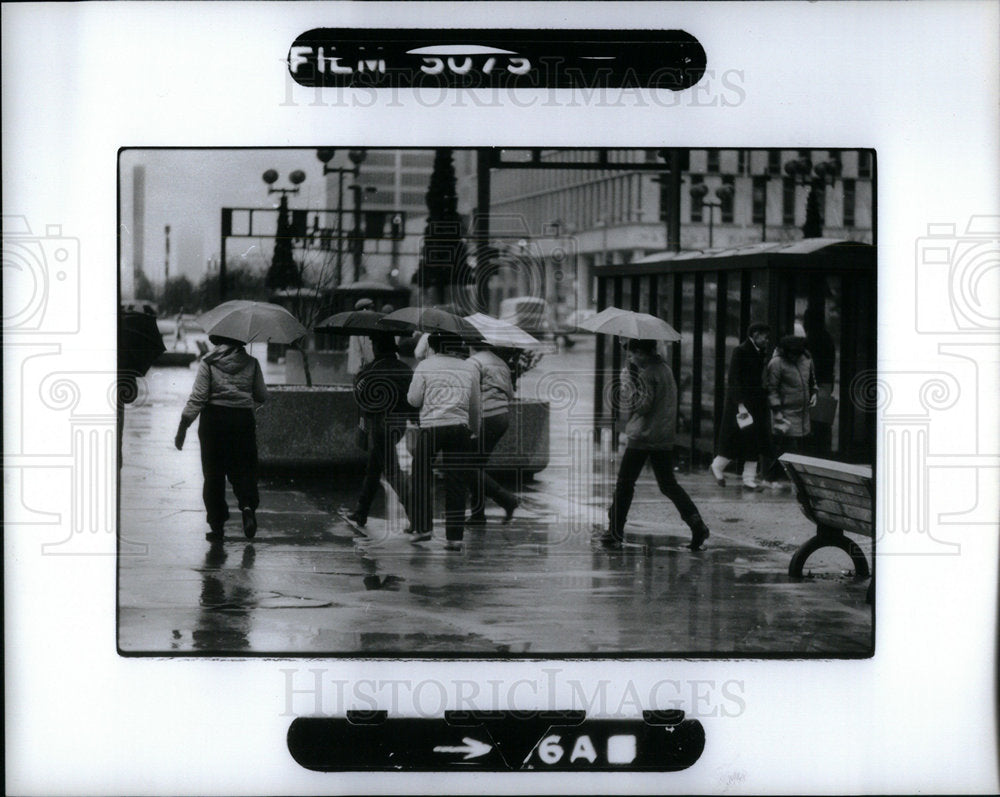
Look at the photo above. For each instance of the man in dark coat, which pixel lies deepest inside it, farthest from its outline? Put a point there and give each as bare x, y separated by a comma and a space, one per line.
746, 401
380, 391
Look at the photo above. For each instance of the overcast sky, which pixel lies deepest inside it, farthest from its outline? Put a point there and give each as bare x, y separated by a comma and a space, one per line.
186, 188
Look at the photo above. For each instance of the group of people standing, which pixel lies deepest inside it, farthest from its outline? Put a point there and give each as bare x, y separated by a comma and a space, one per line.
767, 406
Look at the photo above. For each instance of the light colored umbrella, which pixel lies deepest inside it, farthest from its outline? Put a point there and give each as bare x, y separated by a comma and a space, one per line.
629, 324
352, 322
250, 322
502, 333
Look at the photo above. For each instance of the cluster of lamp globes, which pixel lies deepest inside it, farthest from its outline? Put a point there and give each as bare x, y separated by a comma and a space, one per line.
324, 155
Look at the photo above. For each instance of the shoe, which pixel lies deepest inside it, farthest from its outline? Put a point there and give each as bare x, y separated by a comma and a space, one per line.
356, 518
611, 542
215, 535
509, 513
420, 536
719, 474
699, 533
755, 486
453, 545
475, 520
249, 522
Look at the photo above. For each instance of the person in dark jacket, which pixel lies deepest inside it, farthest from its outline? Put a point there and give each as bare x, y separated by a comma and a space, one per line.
745, 401
228, 388
650, 396
819, 344
380, 392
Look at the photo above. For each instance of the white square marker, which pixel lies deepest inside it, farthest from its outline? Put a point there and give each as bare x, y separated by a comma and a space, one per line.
621, 749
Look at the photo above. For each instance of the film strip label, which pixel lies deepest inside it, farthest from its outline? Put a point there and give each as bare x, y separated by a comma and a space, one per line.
497, 741
475, 58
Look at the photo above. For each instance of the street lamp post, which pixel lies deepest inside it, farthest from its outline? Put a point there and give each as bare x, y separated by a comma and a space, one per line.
817, 176
357, 157
358, 239
723, 194
282, 262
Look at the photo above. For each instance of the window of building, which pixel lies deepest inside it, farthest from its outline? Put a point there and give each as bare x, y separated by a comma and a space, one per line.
849, 202
759, 200
726, 205
712, 166
774, 161
788, 201
696, 207
864, 163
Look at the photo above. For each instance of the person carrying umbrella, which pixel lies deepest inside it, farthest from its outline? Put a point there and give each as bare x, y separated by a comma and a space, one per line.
445, 388
496, 391
380, 389
650, 398
228, 386
226, 390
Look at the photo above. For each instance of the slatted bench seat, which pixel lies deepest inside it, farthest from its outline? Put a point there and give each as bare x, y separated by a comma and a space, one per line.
838, 498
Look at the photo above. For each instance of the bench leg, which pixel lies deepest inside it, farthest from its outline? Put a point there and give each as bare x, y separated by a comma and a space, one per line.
827, 537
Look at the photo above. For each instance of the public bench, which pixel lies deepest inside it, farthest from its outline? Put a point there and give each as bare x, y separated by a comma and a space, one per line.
838, 498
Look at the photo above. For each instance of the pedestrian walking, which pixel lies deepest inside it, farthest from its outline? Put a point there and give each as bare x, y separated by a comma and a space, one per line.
650, 398
744, 433
227, 389
445, 388
820, 345
380, 390
496, 392
791, 392
359, 347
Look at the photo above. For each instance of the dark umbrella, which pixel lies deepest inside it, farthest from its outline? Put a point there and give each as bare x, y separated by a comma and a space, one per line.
352, 322
429, 319
139, 342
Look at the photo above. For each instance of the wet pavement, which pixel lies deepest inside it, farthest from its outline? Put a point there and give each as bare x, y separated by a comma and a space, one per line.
308, 584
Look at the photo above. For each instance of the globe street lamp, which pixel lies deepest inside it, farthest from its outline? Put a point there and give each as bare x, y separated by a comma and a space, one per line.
723, 194
803, 172
357, 157
283, 272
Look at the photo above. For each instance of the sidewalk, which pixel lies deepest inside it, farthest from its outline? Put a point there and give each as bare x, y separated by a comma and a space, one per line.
307, 585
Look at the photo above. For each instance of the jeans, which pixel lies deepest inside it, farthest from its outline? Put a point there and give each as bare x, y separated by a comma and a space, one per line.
493, 428
382, 458
457, 457
228, 438
662, 461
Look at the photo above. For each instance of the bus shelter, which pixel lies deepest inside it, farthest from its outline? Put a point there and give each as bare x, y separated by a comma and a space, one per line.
822, 288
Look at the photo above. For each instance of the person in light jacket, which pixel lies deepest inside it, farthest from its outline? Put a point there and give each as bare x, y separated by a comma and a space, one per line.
650, 397
227, 389
445, 388
791, 391
496, 390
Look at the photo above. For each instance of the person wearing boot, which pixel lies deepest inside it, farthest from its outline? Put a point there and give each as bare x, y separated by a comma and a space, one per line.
228, 388
650, 396
745, 432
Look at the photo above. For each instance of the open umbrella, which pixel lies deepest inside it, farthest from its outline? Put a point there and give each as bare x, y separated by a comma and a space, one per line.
249, 322
629, 324
502, 333
429, 319
139, 342
352, 322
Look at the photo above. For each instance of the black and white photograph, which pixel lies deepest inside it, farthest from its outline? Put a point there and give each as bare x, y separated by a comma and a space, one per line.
622, 410
557, 398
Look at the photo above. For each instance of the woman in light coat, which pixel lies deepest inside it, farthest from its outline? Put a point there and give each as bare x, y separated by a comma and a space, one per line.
791, 390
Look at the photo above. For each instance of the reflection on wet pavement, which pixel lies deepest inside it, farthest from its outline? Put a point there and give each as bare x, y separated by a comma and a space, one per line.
309, 585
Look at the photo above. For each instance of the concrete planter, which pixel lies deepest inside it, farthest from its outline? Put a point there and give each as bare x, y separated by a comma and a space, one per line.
303, 427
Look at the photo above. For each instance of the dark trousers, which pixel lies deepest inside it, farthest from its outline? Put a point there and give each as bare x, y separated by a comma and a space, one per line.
493, 428
457, 454
382, 458
228, 438
628, 472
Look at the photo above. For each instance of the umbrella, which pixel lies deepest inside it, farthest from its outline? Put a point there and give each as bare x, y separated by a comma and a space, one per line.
629, 324
248, 322
352, 322
139, 342
574, 319
502, 333
429, 319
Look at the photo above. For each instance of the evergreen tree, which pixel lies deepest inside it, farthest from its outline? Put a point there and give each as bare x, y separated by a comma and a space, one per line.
283, 272
813, 227
443, 253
